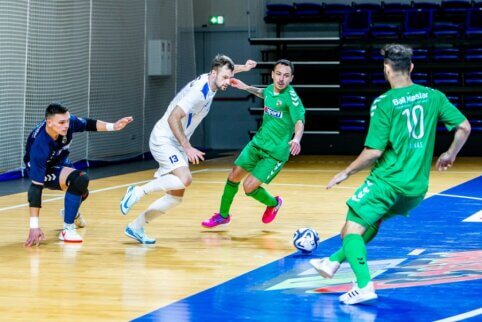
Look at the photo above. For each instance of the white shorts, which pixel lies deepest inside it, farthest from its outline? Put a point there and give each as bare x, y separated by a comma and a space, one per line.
169, 156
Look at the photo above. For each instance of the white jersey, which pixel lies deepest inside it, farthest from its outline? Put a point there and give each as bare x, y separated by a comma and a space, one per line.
195, 100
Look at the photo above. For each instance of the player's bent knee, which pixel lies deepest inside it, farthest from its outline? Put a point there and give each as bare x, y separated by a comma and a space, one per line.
186, 181
248, 187
78, 183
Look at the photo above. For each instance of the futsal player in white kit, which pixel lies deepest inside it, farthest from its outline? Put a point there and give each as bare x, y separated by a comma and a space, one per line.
170, 147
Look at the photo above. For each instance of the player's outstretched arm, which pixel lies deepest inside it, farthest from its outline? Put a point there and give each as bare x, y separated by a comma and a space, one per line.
117, 126
250, 89
250, 64
295, 146
364, 160
447, 159
35, 235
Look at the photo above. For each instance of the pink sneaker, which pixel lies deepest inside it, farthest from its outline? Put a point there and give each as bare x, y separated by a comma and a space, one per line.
271, 212
216, 220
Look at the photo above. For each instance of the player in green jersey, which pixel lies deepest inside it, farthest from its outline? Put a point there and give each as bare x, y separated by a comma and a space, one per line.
264, 156
399, 145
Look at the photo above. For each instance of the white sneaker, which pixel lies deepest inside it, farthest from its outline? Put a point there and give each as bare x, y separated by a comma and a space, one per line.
69, 234
79, 220
325, 267
359, 295
139, 235
129, 200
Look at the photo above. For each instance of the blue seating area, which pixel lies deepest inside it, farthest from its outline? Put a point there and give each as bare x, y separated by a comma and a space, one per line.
436, 54
450, 18
341, 69
361, 78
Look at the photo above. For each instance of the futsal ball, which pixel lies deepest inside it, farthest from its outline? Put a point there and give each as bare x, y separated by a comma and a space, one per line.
306, 239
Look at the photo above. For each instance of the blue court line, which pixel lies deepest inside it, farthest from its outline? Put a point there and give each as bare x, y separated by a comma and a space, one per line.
443, 281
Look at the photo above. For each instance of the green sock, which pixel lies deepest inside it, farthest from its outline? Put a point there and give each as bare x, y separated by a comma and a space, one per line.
356, 254
263, 196
230, 190
339, 256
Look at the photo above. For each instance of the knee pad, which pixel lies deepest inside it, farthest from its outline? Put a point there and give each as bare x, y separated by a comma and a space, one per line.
78, 182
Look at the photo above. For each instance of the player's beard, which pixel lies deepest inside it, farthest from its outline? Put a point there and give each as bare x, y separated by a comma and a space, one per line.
221, 86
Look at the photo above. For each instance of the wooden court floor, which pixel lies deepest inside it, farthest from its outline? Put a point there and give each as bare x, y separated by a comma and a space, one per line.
110, 277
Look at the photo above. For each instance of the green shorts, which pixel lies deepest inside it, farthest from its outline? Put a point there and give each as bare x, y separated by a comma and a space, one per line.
259, 163
375, 200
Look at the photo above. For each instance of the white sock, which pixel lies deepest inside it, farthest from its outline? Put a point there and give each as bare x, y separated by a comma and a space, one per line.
139, 222
165, 183
157, 208
69, 226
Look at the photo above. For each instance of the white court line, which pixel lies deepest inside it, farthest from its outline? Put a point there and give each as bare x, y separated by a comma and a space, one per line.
331, 170
91, 192
223, 182
454, 196
462, 316
416, 251
335, 187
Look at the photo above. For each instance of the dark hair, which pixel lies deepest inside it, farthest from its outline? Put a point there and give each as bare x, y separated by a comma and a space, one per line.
398, 56
220, 61
285, 62
55, 108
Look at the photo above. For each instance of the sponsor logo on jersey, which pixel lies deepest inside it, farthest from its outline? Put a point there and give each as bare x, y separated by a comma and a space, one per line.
278, 103
409, 99
273, 113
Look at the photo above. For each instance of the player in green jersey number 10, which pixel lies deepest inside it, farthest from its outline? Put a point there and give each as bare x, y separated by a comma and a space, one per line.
400, 139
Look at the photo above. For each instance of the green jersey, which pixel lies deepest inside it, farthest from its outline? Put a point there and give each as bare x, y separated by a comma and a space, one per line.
281, 112
403, 124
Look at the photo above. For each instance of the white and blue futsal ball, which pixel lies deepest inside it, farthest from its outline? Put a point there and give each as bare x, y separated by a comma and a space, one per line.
306, 239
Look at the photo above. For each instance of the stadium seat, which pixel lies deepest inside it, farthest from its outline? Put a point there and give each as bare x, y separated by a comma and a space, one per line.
356, 24
425, 5
455, 6
353, 54
473, 54
476, 125
279, 10
473, 102
446, 54
371, 6
377, 78
473, 78
336, 9
395, 8
445, 78
307, 9
421, 78
385, 30
353, 125
353, 78
420, 54
446, 29
353, 102
418, 23
473, 23
454, 99
375, 54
